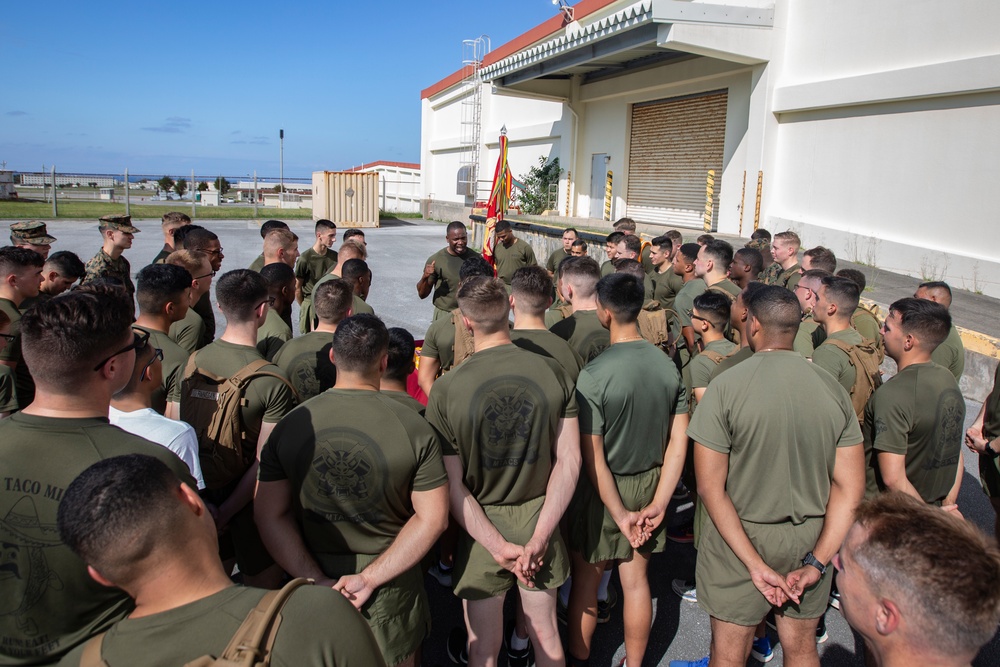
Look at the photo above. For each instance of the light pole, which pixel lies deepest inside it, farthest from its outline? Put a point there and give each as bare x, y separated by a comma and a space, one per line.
281, 167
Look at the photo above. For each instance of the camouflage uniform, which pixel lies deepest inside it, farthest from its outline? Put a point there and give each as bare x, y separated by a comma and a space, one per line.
787, 278
102, 265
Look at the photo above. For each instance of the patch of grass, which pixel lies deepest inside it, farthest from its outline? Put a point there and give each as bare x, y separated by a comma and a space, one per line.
27, 210
393, 214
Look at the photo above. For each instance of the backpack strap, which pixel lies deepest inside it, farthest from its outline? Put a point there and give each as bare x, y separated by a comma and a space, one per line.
253, 370
91, 656
716, 288
846, 348
254, 639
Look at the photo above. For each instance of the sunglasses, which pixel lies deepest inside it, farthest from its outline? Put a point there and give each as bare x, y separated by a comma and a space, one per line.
157, 354
139, 341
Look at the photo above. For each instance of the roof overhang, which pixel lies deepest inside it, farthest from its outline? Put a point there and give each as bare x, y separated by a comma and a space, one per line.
640, 35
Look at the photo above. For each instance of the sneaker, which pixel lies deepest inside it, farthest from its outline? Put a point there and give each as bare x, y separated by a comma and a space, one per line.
443, 576
516, 658
835, 599
681, 492
685, 589
690, 663
604, 606
458, 646
821, 635
761, 649
681, 534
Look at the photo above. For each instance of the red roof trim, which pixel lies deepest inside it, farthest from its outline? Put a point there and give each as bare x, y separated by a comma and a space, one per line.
385, 163
536, 34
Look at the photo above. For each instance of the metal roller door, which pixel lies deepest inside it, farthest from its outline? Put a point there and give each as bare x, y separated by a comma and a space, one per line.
673, 145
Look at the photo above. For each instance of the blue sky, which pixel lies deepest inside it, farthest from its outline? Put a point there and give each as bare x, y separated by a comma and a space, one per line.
162, 87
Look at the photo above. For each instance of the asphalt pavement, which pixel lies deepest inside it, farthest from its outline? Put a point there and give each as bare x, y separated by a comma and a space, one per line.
397, 252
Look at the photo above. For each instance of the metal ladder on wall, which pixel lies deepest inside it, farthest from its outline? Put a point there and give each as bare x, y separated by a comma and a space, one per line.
473, 52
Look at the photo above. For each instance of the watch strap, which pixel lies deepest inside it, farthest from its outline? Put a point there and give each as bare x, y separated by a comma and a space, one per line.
813, 561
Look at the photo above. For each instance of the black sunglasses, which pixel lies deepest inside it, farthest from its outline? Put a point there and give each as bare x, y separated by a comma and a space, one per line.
140, 338
157, 354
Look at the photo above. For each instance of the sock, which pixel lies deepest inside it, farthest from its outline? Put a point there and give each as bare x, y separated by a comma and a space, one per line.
517, 643
564, 592
602, 590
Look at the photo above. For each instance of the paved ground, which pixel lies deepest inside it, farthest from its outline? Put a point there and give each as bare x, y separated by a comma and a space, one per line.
397, 253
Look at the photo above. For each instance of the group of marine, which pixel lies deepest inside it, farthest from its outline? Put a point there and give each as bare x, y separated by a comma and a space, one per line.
560, 413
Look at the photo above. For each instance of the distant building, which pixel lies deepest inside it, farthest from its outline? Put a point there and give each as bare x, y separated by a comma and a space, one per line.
38, 179
399, 185
7, 189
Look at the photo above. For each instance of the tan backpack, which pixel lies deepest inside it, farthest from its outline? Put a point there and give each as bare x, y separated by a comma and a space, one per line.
250, 646
465, 345
865, 311
867, 375
654, 326
211, 405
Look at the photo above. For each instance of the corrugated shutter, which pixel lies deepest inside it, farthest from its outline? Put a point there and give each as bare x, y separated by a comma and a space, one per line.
673, 145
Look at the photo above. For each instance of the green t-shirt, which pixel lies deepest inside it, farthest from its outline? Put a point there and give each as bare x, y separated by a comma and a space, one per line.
178, 636
991, 418
644, 257
499, 412
439, 342
607, 268
274, 333
788, 434
404, 398
738, 357
446, 268
837, 362
806, 336
550, 345
189, 332
306, 362
258, 263
266, 399
8, 389
175, 358
24, 385
311, 266
509, 260
919, 413
204, 308
555, 259
727, 286
359, 306
628, 395
584, 333
666, 285
684, 301
867, 324
353, 457
951, 354
161, 256
702, 367
48, 601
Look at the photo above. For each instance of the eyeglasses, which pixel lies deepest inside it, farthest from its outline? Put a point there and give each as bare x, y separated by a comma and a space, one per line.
10, 338
210, 252
140, 338
157, 354
710, 323
269, 301
212, 274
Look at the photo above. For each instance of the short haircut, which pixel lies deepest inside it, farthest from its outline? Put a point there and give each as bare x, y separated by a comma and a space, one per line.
943, 574
239, 293
354, 269
66, 264
474, 265
579, 243
814, 274
62, 339
624, 225
714, 307
119, 512
676, 237
354, 232
401, 349
630, 266
704, 239
632, 244
941, 288
14, 259
332, 299
502, 225
720, 252
752, 288
622, 294
197, 238
350, 249
279, 239
271, 225
159, 284
277, 275
571, 229
689, 251
359, 343
323, 223
788, 238
483, 300
930, 322
844, 292
857, 276
582, 272
175, 218
192, 260
822, 258
614, 237
760, 233
455, 226
532, 287
751, 258
664, 242
776, 308
181, 233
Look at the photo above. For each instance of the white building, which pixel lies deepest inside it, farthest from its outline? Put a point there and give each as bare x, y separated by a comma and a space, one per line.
38, 179
868, 127
400, 188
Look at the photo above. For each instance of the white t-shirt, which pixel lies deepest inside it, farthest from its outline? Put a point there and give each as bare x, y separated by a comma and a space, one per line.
177, 436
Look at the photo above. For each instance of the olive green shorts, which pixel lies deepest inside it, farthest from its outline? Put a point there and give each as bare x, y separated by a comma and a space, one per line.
724, 587
397, 612
477, 575
240, 540
306, 315
594, 534
989, 475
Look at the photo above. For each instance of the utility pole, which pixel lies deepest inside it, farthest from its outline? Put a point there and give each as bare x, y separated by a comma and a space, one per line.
191, 189
281, 167
128, 210
55, 206
255, 193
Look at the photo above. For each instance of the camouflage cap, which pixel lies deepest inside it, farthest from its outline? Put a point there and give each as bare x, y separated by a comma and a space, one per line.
757, 244
32, 231
119, 223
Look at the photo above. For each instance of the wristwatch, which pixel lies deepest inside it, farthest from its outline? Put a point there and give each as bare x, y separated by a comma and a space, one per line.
811, 560
989, 451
